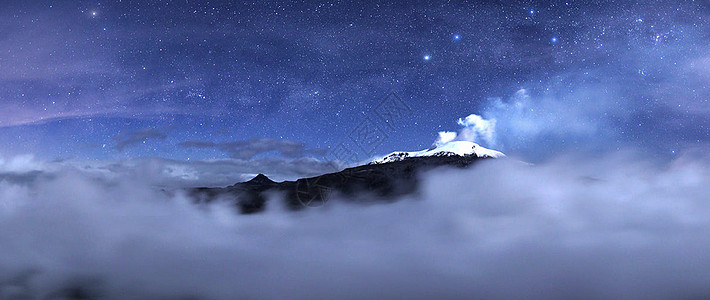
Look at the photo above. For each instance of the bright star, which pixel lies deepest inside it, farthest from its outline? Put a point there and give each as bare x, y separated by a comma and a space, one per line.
554, 39
457, 37
94, 14
427, 57
532, 11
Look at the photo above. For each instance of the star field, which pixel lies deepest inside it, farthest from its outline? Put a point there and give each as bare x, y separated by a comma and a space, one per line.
122, 79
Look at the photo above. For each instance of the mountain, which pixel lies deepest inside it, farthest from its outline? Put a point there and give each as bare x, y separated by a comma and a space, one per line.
383, 179
454, 148
260, 179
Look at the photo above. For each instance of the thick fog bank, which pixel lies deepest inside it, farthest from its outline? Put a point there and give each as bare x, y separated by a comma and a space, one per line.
575, 227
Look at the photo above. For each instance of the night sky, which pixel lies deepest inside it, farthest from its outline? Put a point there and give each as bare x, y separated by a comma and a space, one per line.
112, 111
203, 80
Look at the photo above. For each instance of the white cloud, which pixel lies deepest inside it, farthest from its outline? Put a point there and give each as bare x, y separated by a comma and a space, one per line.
477, 128
445, 137
523, 122
20, 164
524, 117
612, 227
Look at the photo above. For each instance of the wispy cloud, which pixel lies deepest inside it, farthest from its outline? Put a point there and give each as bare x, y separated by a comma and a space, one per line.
129, 138
247, 149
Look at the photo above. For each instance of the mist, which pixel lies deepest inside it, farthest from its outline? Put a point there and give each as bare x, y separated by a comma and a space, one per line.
613, 226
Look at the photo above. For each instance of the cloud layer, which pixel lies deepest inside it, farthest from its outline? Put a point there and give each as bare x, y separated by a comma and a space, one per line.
575, 227
165, 173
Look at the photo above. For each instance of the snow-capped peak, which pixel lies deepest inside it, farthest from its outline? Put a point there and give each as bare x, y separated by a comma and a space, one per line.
460, 148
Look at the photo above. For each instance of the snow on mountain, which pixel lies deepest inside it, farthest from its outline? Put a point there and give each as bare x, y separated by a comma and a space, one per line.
460, 148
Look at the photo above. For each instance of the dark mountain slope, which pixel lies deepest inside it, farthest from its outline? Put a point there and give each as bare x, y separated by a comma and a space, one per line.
367, 183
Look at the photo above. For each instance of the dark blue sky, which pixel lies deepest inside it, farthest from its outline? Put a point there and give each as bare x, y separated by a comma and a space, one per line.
215, 79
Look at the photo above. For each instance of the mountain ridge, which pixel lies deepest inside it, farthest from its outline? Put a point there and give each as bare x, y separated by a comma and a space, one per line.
378, 180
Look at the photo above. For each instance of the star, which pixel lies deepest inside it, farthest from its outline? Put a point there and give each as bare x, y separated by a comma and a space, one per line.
427, 57
554, 39
457, 37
